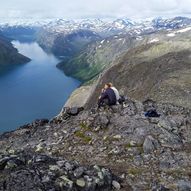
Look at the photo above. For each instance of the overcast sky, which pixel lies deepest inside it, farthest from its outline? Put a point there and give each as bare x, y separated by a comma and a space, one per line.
93, 8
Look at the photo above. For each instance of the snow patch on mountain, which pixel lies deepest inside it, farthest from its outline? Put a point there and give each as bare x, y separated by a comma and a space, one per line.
154, 40
102, 41
171, 34
179, 31
184, 30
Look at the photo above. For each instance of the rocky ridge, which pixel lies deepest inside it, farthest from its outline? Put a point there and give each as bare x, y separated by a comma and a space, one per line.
142, 153
98, 56
54, 34
31, 171
113, 148
157, 67
65, 44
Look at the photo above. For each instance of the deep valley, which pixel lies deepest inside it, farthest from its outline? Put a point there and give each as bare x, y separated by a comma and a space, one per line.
63, 141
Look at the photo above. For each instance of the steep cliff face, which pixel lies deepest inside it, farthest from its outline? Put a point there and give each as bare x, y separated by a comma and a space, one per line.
97, 56
20, 32
160, 71
65, 44
159, 68
131, 151
9, 55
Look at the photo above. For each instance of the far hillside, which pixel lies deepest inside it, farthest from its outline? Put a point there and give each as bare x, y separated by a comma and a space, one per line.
9, 55
159, 68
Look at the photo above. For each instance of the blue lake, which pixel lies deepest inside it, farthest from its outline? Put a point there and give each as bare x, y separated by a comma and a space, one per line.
34, 90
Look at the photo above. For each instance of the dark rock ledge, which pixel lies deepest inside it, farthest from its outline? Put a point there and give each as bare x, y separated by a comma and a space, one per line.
31, 171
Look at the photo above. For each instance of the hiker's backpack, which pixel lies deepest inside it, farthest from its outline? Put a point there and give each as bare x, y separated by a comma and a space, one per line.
121, 99
152, 113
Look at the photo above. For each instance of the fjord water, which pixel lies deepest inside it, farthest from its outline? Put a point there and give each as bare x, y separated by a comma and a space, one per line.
34, 90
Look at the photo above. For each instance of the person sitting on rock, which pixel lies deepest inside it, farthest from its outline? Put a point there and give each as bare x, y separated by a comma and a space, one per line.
107, 97
120, 98
116, 92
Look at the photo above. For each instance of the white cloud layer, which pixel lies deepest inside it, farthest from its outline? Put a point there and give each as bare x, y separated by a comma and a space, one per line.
98, 8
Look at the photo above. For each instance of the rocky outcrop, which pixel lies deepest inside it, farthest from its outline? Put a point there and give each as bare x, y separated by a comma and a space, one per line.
29, 171
80, 96
142, 153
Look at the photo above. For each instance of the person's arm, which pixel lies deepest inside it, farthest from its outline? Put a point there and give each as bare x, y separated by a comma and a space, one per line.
103, 96
102, 91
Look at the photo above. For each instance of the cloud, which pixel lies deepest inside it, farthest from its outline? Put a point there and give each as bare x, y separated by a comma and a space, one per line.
98, 8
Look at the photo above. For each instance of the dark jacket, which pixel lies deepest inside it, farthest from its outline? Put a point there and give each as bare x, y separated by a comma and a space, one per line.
110, 95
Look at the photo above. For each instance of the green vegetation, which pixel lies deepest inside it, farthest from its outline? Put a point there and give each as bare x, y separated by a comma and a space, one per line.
110, 139
95, 58
80, 68
163, 48
139, 147
84, 127
160, 71
178, 172
80, 134
135, 171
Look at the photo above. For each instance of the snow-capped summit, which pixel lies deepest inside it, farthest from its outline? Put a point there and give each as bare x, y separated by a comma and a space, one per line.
103, 27
122, 23
174, 23
24, 22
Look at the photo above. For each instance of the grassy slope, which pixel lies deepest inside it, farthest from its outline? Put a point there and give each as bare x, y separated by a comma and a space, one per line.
161, 71
96, 57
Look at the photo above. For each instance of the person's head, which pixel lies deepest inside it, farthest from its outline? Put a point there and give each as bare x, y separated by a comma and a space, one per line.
108, 85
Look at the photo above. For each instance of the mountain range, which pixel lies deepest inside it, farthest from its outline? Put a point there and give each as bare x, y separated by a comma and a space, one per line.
84, 148
48, 32
159, 69
91, 47
149, 65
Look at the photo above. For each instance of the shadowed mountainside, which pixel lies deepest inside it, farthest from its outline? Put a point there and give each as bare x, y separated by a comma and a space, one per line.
9, 55
65, 44
97, 56
165, 79
160, 68
116, 148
